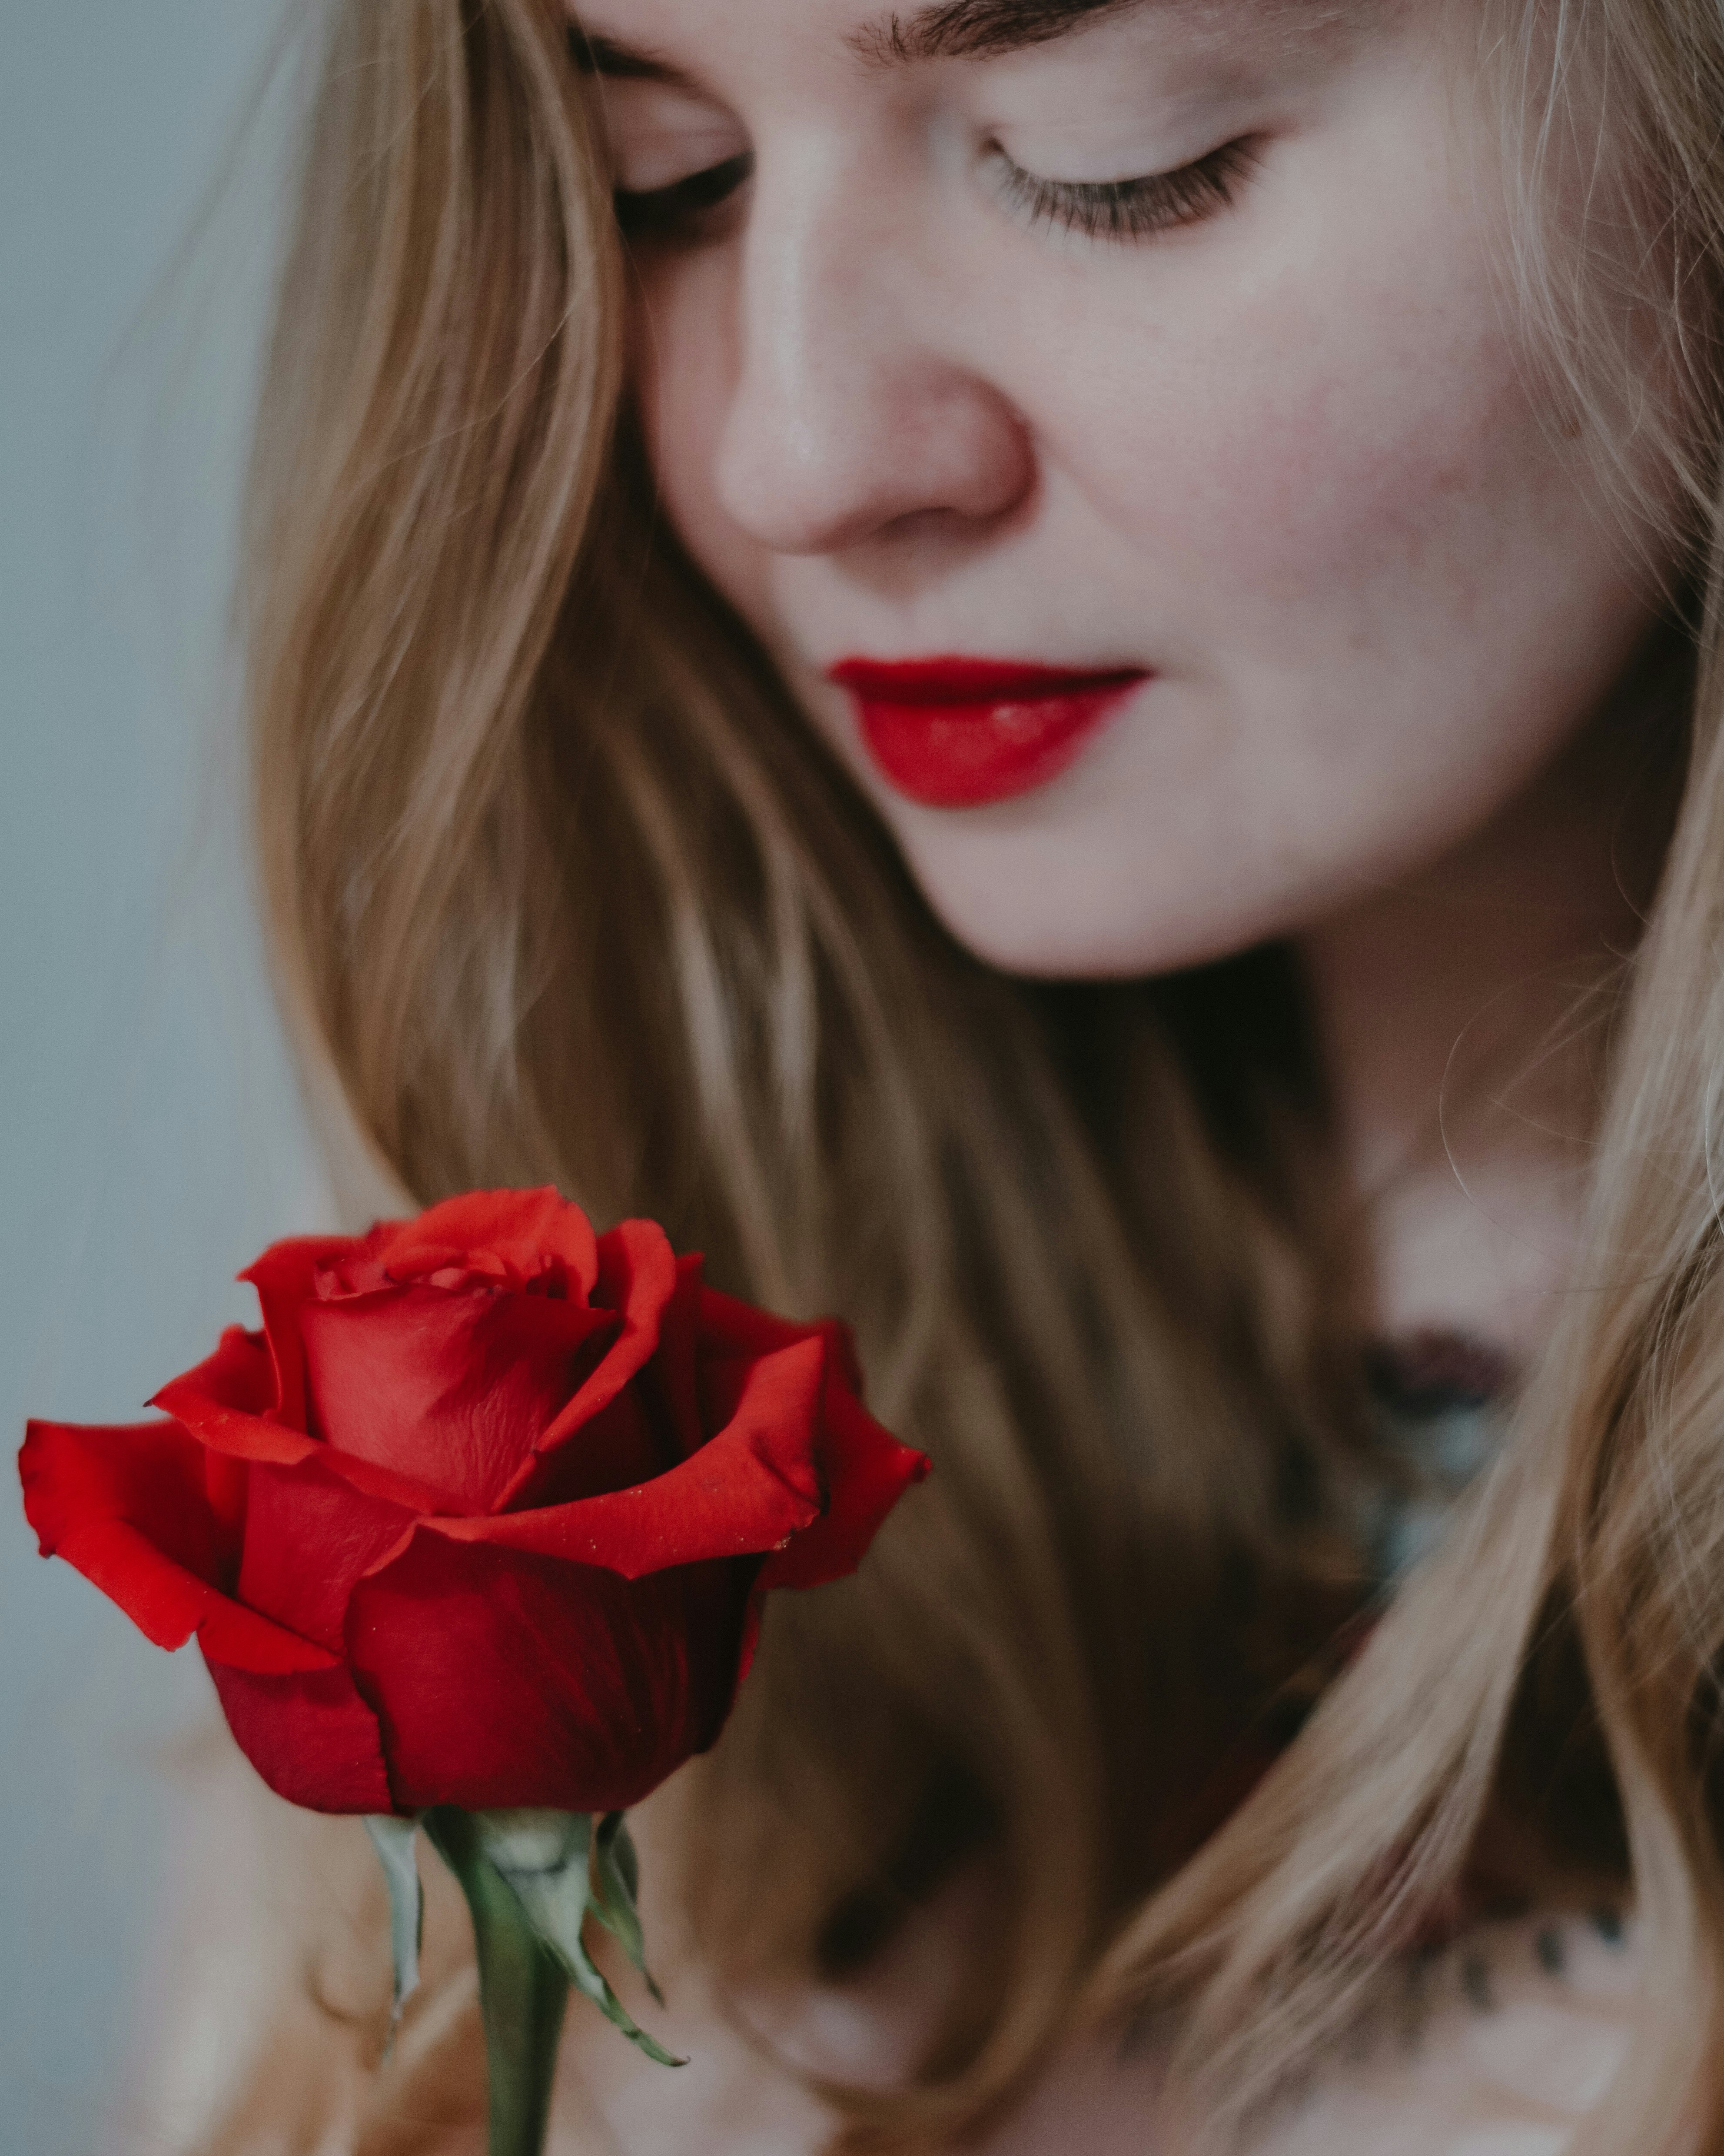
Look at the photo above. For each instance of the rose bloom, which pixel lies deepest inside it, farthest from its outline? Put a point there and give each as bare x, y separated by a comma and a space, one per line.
484, 1514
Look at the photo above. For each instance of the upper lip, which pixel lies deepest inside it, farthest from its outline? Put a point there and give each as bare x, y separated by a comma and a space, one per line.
958, 679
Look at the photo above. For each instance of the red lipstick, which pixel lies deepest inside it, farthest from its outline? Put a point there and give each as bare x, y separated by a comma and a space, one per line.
954, 733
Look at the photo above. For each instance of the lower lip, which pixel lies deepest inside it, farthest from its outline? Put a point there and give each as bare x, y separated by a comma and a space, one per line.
958, 733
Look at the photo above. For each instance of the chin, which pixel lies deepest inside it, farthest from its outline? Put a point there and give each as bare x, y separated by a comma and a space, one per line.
1055, 941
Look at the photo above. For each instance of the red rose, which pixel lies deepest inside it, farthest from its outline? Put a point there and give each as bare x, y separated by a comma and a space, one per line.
484, 1515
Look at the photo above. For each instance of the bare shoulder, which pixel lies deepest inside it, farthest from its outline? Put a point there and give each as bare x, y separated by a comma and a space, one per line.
1499, 2046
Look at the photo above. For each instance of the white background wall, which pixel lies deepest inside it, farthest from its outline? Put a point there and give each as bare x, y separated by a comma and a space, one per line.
149, 1141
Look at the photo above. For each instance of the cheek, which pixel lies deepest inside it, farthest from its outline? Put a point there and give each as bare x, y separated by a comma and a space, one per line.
1344, 445
1323, 490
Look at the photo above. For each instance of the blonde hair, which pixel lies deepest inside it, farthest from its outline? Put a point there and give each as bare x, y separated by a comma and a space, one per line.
562, 887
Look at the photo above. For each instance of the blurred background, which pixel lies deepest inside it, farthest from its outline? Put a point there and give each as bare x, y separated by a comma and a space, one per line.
151, 1140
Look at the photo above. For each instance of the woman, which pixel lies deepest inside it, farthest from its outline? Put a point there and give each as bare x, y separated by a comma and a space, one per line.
1045, 670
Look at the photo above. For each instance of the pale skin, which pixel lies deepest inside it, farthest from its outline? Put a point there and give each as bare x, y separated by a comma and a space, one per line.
1288, 450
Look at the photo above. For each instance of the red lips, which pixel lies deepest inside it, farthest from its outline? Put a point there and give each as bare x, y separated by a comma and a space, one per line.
955, 732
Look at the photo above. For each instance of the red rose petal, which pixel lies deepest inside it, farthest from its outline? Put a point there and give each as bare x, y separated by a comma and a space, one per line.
503, 1678
310, 1736
286, 1278
309, 1537
450, 1390
225, 1402
213, 1402
522, 1228
128, 1507
623, 1445
722, 1366
867, 1472
148, 1474
671, 1374
745, 1492
730, 1328
637, 1277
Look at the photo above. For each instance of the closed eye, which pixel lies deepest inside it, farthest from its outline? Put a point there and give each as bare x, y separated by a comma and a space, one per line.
678, 210
1129, 209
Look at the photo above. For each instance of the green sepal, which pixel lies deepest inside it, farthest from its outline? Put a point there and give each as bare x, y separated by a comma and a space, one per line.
393, 1840
616, 1892
543, 1857
546, 1858
523, 1988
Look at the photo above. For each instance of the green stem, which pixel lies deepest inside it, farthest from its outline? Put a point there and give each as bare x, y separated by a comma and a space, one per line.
522, 1990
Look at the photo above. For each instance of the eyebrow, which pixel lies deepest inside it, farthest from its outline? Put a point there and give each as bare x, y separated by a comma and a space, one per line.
977, 29
947, 30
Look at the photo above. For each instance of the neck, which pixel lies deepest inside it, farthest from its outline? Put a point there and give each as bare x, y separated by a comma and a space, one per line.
1461, 1011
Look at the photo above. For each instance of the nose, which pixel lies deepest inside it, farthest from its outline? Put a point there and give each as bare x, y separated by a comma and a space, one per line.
855, 409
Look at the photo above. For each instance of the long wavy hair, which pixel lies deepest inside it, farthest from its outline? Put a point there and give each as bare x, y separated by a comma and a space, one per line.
562, 887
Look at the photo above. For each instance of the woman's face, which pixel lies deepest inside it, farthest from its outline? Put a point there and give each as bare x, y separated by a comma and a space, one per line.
1147, 366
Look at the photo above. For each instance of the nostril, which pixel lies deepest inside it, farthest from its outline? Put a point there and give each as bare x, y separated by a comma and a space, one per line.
942, 526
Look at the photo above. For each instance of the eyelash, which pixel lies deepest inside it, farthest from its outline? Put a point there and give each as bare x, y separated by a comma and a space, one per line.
1130, 209
1107, 209
668, 212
